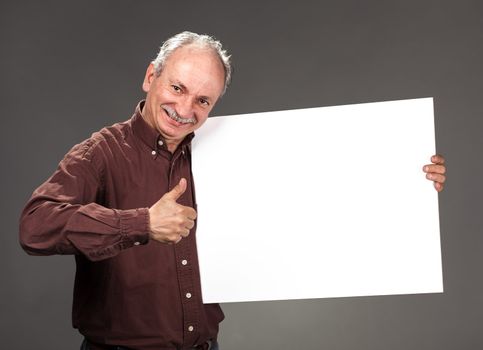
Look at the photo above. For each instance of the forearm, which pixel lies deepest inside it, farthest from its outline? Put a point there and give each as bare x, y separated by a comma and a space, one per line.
48, 227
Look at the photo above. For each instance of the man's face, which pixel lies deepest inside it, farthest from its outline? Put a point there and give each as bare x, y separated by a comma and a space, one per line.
179, 100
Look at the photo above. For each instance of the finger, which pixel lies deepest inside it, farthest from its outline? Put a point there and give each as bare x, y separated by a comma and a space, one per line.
437, 159
438, 186
177, 191
190, 213
189, 224
434, 168
174, 238
436, 177
184, 232
167, 239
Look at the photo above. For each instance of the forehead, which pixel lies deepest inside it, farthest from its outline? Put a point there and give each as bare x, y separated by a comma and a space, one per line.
196, 68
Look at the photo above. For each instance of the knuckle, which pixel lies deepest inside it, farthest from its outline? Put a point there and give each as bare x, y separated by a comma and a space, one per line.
192, 213
179, 220
174, 237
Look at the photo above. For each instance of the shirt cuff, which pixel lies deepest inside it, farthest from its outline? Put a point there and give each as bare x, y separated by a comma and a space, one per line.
134, 226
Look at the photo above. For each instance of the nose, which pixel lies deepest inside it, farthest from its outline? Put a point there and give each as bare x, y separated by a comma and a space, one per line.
185, 107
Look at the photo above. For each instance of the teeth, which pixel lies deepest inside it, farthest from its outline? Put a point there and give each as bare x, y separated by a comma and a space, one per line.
174, 115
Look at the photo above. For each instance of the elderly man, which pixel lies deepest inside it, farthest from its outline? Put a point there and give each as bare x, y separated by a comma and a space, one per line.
123, 203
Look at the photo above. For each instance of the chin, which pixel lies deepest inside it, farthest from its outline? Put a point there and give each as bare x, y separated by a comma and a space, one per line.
171, 133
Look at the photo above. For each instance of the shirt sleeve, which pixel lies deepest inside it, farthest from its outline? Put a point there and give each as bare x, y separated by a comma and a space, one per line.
63, 215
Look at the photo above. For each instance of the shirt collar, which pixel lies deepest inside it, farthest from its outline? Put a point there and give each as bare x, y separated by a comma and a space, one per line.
150, 136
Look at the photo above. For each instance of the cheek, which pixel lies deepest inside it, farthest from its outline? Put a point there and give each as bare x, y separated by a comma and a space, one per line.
159, 95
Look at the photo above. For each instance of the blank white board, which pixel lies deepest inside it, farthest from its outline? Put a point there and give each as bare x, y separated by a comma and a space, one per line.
317, 203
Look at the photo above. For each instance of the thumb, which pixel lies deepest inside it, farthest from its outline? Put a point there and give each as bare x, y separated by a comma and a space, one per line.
177, 191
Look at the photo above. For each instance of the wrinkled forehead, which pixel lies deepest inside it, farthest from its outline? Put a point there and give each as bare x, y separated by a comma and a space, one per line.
197, 68
197, 50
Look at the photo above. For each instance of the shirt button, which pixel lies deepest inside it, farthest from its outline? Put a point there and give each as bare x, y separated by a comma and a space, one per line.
160, 142
153, 152
184, 262
188, 295
191, 328
137, 243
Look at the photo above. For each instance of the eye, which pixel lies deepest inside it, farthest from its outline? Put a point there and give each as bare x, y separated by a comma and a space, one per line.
204, 102
176, 88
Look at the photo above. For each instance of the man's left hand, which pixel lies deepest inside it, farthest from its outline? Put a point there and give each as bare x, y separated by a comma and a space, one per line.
435, 171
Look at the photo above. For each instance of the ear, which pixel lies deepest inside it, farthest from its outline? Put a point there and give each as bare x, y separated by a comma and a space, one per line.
150, 76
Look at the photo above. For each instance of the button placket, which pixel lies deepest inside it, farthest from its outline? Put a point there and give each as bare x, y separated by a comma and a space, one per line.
186, 285
184, 250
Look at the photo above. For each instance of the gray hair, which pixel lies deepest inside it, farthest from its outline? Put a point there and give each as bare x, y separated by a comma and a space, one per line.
201, 40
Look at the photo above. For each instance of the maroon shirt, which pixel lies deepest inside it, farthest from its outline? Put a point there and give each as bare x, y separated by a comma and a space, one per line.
129, 290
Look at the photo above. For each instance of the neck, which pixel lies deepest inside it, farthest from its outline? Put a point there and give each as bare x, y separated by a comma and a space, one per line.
172, 145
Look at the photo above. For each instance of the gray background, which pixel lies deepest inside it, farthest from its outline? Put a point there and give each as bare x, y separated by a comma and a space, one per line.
70, 67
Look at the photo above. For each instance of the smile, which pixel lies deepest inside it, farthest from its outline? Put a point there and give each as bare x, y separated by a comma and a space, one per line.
175, 116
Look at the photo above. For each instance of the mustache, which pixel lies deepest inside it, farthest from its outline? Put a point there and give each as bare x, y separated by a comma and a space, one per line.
174, 115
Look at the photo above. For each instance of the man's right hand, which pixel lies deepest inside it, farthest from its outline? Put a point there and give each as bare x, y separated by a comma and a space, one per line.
169, 221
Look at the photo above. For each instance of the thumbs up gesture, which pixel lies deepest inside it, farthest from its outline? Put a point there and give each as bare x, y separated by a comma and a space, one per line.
169, 221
